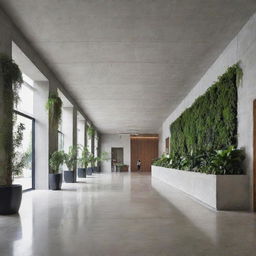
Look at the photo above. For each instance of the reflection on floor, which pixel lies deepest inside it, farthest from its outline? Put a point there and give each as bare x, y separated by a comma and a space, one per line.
121, 214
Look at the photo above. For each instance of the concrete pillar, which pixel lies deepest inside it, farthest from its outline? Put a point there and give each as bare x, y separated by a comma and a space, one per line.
5, 159
53, 131
75, 133
42, 143
92, 144
99, 150
85, 135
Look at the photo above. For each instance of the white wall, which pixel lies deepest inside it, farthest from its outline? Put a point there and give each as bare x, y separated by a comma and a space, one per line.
241, 48
109, 141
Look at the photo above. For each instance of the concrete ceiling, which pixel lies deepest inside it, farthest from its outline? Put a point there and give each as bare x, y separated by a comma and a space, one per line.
129, 63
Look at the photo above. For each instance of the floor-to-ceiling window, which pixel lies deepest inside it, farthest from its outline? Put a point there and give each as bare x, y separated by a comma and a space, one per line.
24, 115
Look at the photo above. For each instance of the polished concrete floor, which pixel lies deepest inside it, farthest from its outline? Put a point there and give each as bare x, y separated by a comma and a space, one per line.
122, 214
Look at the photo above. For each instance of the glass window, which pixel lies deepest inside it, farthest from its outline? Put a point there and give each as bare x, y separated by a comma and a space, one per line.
25, 178
24, 113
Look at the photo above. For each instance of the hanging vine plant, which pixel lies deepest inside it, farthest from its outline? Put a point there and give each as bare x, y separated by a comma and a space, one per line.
54, 107
90, 131
10, 83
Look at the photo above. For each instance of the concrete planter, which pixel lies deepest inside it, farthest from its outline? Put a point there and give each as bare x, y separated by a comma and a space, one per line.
221, 192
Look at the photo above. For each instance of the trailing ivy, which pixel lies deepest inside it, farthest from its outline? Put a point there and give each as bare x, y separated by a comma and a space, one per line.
54, 107
10, 83
211, 122
90, 132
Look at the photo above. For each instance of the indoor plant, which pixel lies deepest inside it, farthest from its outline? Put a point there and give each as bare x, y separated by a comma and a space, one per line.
90, 132
55, 177
70, 160
103, 157
83, 162
10, 82
92, 160
54, 107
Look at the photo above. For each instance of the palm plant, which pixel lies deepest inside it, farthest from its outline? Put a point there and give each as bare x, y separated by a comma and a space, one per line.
56, 160
84, 160
92, 159
70, 158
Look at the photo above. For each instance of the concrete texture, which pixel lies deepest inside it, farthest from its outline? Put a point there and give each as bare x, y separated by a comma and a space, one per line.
127, 60
13, 42
44, 143
221, 192
123, 215
242, 48
115, 141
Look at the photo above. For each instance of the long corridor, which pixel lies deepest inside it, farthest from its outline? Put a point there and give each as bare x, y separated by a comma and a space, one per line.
123, 214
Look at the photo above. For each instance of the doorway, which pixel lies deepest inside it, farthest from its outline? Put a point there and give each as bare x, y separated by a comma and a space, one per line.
254, 155
117, 157
145, 149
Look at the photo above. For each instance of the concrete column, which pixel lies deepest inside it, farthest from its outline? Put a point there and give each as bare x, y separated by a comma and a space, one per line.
92, 144
42, 145
5, 159
53, 131
75, 133
99, 150
85, 135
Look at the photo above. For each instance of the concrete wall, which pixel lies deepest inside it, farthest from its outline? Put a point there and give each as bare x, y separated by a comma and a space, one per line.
241, 48
109, 141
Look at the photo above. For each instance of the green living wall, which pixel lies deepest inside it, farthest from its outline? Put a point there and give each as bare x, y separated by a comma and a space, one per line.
211, 122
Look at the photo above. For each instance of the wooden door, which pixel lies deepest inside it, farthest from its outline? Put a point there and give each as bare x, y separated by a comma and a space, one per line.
254, 155
144, 149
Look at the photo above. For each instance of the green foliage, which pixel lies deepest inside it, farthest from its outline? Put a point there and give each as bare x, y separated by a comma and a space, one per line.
90, 132
54, 107
228, 161
56, 160
12, 78
84, 160
103, 157
92, 160
10, 83
211, 122
19, 160
70, 158
219, 162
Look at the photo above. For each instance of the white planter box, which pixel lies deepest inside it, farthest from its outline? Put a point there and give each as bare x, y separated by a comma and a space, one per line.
221, 192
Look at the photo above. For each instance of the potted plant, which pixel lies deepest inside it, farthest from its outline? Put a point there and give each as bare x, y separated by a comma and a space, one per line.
55, 177
103, 157
92, 160
83, 162
10, 161
70, 160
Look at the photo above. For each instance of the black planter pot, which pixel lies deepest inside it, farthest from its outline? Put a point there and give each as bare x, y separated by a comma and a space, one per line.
89, 171
55, 181
95, 169
10, 199
69, 176
82, 172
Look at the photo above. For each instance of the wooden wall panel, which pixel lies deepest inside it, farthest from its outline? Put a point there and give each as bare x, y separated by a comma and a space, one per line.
145, 149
